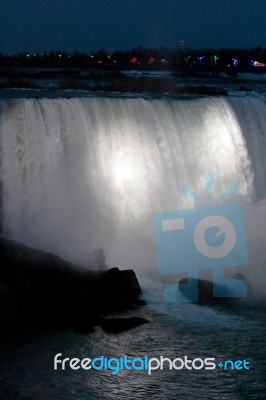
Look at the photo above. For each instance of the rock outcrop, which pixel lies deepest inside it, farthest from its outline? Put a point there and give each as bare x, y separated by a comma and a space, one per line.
40, 288
211, 293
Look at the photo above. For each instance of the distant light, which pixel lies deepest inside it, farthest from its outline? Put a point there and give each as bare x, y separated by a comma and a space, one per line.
235, 61
151, 60
215, 59
257, 63
133, 60
200, 59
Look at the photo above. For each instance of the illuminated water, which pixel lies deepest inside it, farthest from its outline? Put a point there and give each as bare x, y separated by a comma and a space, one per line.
83, 173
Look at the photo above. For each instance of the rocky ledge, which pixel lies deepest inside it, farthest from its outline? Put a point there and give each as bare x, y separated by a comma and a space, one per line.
204, 292
39, 288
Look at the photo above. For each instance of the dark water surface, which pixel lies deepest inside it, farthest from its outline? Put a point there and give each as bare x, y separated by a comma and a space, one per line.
175, 330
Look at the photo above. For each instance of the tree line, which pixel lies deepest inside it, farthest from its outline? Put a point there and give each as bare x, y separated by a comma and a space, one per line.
147, 58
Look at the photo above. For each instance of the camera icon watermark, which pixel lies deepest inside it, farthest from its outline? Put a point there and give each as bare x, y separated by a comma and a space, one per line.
191, 240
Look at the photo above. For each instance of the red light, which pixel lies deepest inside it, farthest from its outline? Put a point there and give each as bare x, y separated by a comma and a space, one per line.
134, 60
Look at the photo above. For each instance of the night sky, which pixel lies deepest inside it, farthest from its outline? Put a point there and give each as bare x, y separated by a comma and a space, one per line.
85, 25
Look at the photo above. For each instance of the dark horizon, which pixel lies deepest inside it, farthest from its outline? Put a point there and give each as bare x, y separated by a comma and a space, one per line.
140, 48
35, 27
164, 57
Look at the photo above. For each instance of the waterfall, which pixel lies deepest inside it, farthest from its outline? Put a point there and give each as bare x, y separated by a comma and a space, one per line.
77, 174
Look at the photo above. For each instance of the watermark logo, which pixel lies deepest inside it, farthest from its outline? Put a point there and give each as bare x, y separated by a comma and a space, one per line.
191, 240
146, 363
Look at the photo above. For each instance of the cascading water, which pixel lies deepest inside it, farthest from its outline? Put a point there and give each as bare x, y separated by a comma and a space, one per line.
77, 174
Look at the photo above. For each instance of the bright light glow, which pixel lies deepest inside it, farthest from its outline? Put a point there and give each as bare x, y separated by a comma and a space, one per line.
226, 142
200, 59
124, 170
133, 60
254, 63
215, 59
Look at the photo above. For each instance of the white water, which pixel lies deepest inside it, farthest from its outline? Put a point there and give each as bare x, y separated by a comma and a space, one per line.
82, 173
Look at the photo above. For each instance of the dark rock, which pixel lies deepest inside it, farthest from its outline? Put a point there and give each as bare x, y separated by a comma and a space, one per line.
53, 290
140, 302
8, 303
202, 91
206, 290
116, 325
84, 328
